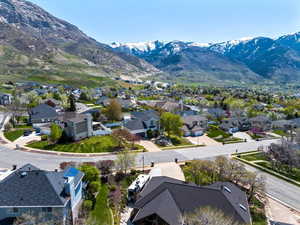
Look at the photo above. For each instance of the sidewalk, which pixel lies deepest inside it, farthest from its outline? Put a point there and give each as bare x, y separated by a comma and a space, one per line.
279, 213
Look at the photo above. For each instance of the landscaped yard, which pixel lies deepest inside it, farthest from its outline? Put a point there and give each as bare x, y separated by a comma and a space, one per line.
294, 174
258, 213
280, 132
101, 214
264, 162
254, 156
221, 136
95, 144
14, 134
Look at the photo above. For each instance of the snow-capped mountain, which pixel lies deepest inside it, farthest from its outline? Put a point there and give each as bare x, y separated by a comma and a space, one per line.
257, 57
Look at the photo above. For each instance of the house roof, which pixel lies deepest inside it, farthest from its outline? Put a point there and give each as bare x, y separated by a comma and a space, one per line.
43, 111
73, 116
193, 118
134, 124
30, 186
182, 198
145, 115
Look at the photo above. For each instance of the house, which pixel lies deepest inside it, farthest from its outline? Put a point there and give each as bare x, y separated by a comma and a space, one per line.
261, 122
165, 200
42, 113
48, 195
77, 126
235, 124
141, 122
5, 99
194, 125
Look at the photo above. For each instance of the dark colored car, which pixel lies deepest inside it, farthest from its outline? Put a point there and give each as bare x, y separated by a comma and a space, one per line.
27, 132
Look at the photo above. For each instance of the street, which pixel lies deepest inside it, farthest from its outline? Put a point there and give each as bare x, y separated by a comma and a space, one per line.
279, 189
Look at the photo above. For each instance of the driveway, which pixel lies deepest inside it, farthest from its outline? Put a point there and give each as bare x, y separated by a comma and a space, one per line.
23, 140
204, 140
243, 135
149, 146
170, 169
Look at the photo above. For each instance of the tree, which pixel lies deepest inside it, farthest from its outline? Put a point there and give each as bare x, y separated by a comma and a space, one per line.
121, 135
114, 110
208, 216
56, 132
125, 160
91, 173
83, 96
105, 166
72, 103
171, 123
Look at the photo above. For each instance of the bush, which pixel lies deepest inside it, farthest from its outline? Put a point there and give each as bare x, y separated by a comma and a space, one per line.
150, 134
8, 126
175, 140
87, 205
44, 137
119, 176
94, 187
112, 188
105, 166
65, 165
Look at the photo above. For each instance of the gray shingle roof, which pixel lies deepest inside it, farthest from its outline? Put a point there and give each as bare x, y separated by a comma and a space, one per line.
43, 111
188, 197
30, 186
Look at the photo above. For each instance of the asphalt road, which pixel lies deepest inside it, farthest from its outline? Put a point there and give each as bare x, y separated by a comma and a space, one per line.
285, 192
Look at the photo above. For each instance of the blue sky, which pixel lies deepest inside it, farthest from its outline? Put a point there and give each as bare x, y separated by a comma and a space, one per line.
188, 20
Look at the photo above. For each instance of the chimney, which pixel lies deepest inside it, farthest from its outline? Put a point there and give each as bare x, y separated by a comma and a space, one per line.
14, 167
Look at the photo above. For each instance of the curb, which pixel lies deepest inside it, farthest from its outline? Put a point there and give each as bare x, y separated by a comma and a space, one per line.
283, 203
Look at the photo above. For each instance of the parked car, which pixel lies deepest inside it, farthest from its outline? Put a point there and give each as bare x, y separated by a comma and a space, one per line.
27, 132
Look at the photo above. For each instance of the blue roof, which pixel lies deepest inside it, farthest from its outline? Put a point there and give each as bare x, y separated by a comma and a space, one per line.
71, 172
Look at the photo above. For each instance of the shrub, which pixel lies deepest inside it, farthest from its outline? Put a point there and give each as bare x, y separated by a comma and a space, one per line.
119, 176
44, 137
65, 165
87, 205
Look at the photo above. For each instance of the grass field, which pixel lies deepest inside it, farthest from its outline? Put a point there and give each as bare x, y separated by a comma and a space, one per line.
13, 135
89, 145
254, 157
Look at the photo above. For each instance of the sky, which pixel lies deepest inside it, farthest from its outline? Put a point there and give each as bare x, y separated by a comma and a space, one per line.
187, 20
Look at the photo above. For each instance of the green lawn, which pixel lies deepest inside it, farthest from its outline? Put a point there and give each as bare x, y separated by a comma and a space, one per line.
294, 174
101, 214
89, 145
257, 213
217, 134
13, 135
254, 157
280, 132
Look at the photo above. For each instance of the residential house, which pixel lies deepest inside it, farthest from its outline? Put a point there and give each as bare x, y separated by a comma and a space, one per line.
42, 113
77, 126
261, 122
141, 122
235, 124
194, 125
165, 200
5, 99
51, 196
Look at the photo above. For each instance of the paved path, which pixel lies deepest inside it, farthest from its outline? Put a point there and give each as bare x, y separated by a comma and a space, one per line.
280, 189
243, 135
149, 145
204, 140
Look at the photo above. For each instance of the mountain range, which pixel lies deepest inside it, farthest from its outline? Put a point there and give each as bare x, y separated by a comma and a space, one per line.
254, 60
34, 45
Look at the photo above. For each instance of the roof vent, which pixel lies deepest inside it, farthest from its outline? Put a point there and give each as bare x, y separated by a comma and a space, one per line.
227, 189
24, 174
243, 207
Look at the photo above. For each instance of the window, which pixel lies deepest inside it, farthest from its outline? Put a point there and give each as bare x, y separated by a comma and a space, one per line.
15, 210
